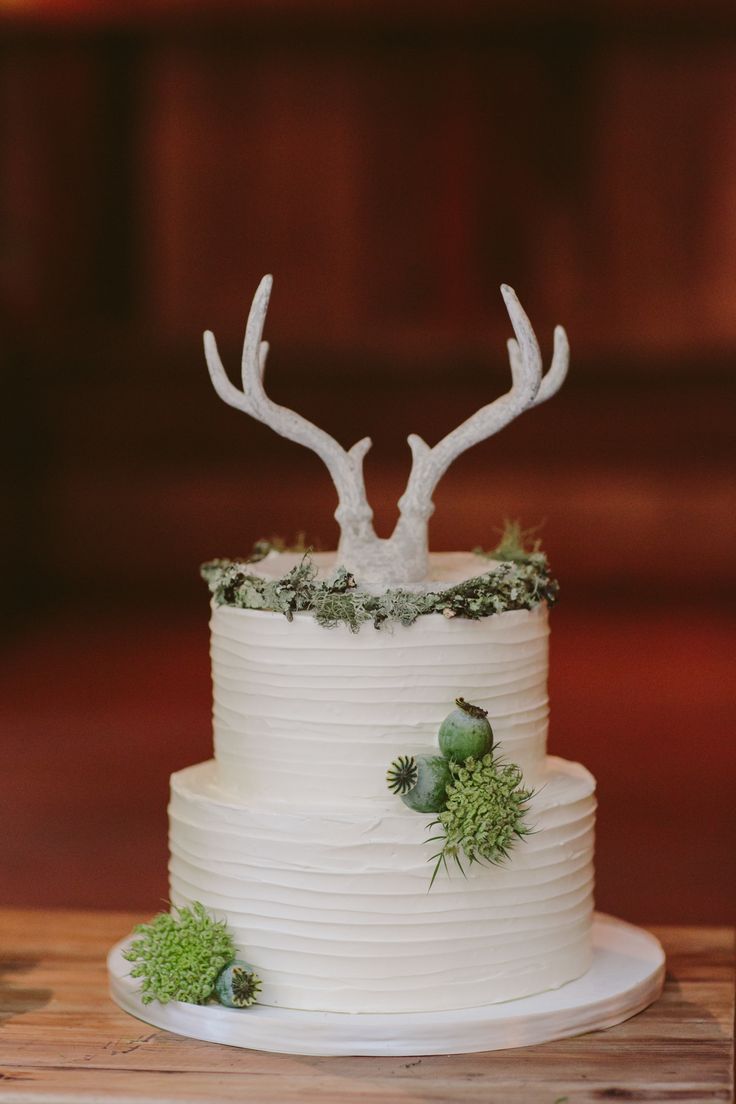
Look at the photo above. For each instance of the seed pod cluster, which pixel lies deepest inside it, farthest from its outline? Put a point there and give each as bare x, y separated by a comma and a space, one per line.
422, 780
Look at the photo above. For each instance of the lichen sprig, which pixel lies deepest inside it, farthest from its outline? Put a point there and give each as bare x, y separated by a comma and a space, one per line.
179, 955
511, 586
485, 812
232, 584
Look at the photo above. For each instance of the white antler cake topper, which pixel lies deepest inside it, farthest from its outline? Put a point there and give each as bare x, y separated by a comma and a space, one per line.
402, 558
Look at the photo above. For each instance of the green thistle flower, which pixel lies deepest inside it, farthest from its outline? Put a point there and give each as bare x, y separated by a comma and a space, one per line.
180, 956
485, 812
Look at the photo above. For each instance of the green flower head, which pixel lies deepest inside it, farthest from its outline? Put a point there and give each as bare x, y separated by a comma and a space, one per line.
180, 956
485, 811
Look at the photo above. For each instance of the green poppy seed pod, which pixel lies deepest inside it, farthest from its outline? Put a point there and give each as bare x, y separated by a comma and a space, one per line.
429, 793
465, 732
237, 986
402, 774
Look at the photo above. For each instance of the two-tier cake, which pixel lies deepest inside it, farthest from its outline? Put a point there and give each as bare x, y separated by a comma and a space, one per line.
329, 668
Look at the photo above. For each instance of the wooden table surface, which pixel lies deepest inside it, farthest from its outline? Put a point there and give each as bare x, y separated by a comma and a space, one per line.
62, 1039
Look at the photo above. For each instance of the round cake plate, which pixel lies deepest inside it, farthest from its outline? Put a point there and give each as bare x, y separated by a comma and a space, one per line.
627, 974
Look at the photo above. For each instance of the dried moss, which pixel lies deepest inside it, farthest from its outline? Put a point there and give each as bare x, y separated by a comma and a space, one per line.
513, 584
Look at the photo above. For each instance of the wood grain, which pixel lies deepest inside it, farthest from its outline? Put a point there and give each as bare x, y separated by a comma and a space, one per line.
62, 1039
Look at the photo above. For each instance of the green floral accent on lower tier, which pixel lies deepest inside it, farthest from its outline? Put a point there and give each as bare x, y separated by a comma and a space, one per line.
179, 956
340, 601
485, 812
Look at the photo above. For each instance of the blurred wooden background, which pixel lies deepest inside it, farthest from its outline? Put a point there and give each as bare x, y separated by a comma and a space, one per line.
392, 165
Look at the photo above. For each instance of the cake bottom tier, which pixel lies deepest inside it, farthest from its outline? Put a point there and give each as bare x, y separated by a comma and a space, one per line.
335, 914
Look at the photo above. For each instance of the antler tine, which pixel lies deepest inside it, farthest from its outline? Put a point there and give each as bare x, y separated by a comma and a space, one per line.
345, 467
262, 358
253, 361
557, 372
220, 381
555, 376
526, 367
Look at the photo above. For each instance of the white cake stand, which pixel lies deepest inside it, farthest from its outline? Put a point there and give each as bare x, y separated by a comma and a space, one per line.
627, 975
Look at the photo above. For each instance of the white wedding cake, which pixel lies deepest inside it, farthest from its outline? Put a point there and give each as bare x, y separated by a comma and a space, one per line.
381, 858
323, 875
290, 833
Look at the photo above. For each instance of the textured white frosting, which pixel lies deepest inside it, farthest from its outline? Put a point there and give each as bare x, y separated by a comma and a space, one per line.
311, 717
323, 875
445, 568
333, 909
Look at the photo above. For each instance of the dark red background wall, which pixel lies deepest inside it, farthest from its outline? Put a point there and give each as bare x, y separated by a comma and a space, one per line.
392, 165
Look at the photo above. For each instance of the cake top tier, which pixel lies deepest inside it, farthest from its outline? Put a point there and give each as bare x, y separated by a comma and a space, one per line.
315, 717
403, 558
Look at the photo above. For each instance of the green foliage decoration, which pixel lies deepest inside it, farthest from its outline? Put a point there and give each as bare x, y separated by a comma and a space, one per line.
480, 800
514, 545
485, 812
179, 955
513, 584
